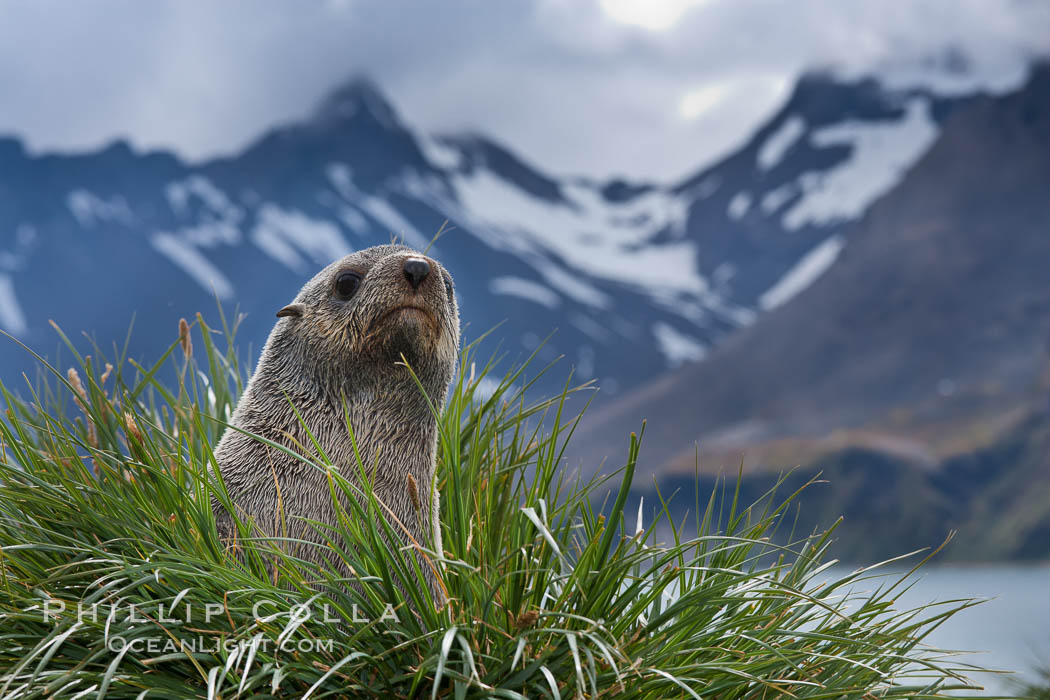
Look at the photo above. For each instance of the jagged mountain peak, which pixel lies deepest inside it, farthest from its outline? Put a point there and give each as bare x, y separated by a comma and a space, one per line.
353, 125
359, 97
822, 97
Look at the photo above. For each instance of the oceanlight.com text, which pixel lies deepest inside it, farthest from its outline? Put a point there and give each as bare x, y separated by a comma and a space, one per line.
212, 645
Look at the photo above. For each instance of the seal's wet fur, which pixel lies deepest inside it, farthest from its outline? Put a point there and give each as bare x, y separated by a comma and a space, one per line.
336, 360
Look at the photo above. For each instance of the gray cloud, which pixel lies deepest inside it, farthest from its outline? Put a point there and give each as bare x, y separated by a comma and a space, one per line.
559, 80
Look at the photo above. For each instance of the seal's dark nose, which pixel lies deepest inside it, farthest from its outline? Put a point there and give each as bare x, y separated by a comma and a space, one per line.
416, 270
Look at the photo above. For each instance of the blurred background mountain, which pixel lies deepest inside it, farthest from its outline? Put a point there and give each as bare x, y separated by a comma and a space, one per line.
915, 371
851, 275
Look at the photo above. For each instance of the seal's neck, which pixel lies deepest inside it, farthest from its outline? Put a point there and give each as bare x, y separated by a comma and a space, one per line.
394, 406
393, 420
391, 417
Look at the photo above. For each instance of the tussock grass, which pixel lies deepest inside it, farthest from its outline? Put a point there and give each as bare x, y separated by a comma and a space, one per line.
554, 591
1038, 689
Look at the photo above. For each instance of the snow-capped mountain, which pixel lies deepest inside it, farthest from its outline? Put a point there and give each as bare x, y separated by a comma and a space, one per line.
634, 277
913, 376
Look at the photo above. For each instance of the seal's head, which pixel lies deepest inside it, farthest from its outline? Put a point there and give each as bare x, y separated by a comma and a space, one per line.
375, 307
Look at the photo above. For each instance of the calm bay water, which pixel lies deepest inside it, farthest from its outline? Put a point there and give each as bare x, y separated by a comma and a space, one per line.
1011, 630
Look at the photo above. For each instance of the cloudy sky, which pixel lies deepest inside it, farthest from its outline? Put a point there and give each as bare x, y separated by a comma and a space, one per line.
644, 88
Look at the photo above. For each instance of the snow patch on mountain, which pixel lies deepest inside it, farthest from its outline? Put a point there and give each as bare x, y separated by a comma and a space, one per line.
399, 226
279, 232
89, 209
635, 220
811, 266
187, 258
340, 176
525, 289
216, 222
272, 243
25, 241
705, 188
677, 347
11, 317
881, 152
780, 142
210, 234
440, 154
181, 193
775, 199
608, 241
571, 285
353, 220
739, 205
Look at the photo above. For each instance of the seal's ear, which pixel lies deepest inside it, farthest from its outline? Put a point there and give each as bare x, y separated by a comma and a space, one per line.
291, 310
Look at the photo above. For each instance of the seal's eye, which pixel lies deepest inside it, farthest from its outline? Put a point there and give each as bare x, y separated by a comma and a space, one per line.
346, 284
449, 291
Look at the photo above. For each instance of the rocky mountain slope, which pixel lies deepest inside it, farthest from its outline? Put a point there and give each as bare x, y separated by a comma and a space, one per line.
916, 370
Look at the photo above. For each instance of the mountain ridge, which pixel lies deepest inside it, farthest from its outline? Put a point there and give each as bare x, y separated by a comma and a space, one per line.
919, 361
638, 277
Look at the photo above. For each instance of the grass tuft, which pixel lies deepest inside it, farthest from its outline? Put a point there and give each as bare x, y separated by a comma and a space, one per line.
113, 582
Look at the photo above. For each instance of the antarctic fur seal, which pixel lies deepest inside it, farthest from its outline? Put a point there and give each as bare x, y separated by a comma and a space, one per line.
337, 355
